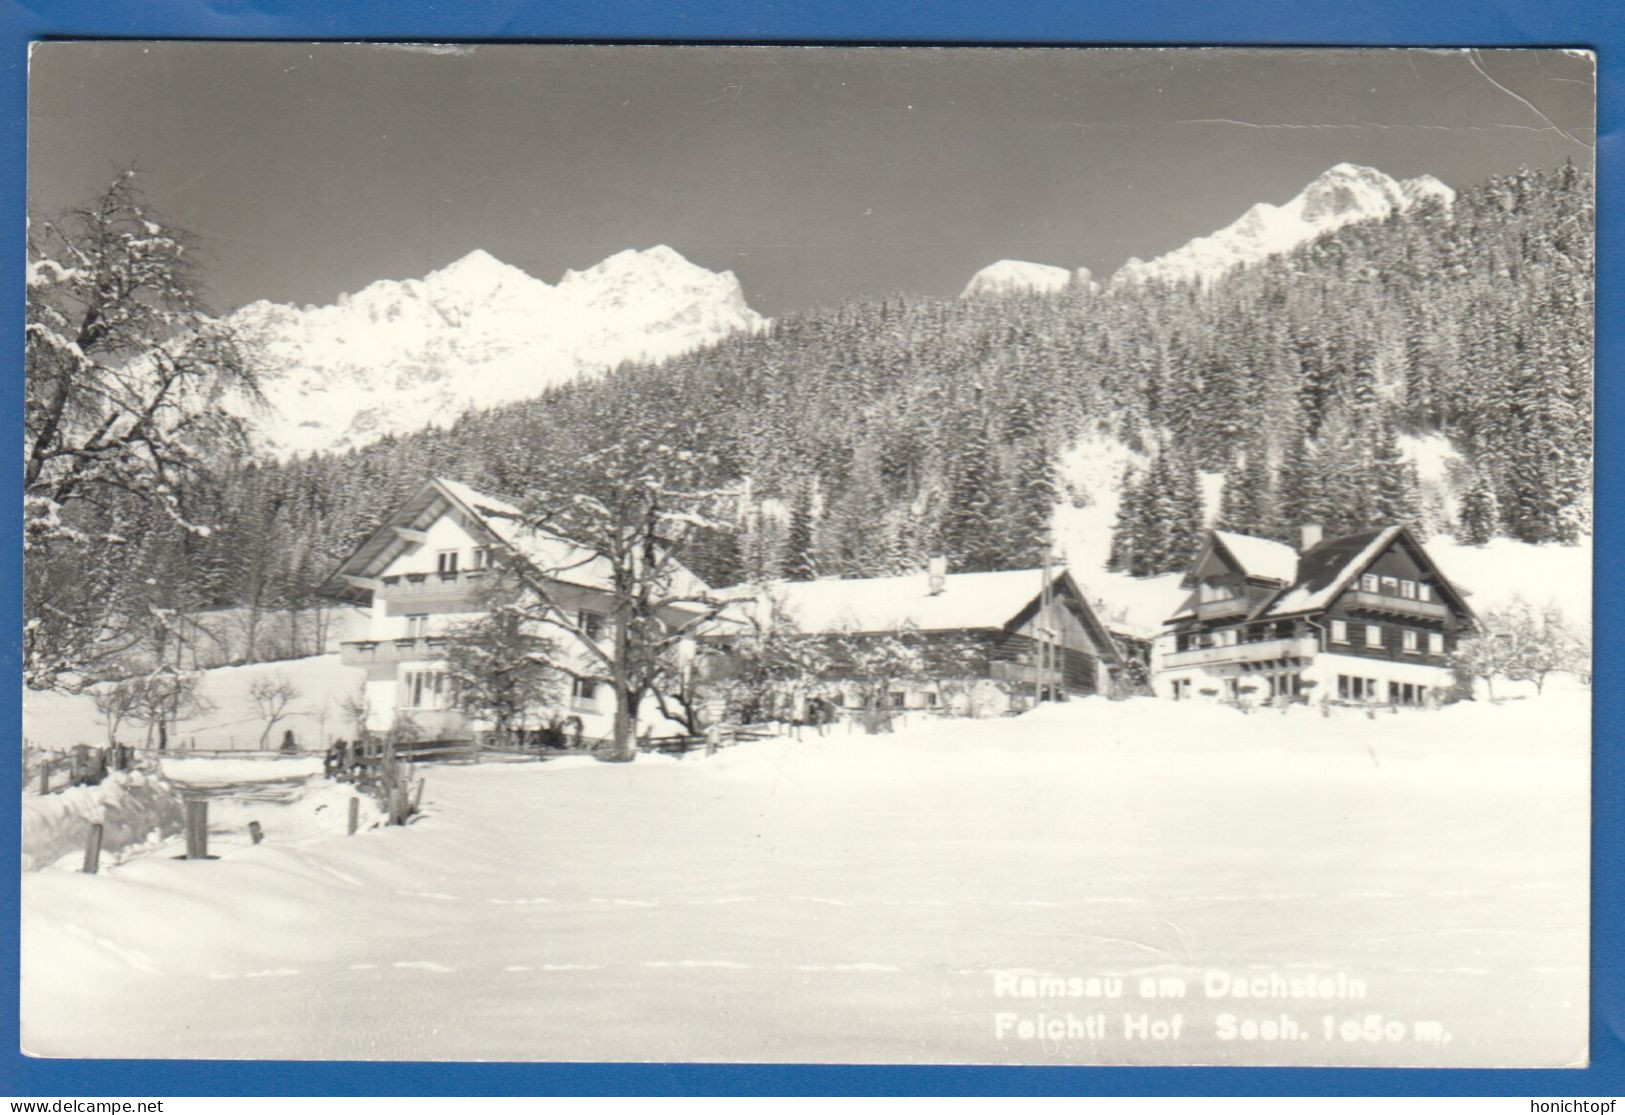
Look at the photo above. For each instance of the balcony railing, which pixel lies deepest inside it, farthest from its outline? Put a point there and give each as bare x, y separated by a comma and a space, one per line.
1222, 609
368, 652
431, 584
1269, 650
1394, 605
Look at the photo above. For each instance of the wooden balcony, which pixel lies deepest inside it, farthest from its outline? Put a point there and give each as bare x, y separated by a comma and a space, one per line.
375, 652
1394, 605
1269, 650
1223, 609
427, 586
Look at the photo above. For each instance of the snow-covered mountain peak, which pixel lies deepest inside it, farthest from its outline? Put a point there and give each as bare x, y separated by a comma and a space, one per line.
1013, 276
1427, 188
399, 355
1009, 276
1348, 192
477, 273
648, 281
1341, 195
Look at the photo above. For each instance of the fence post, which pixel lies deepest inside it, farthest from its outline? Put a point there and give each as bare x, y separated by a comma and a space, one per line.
417, 796
93, 849
197, 828
355, 814
255, 833
711, 733
397, 805
45, 777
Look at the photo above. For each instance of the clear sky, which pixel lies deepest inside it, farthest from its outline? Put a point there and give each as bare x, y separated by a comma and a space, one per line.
812, 173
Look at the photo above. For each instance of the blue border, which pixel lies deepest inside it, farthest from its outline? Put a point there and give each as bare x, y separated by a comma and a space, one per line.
1572, 23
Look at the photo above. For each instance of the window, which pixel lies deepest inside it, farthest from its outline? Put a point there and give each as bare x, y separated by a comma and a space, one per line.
1407, 589
1390, 585
1368, 583
446, 561
480, 558
584, 690
417, 626
1424, 592
423, 689
1435, 642
1410, 642
590, 624
896, 698
1373, 636
1356, 689
1340, 630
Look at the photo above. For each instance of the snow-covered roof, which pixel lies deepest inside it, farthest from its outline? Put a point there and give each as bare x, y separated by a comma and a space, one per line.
1328, 567
1261, 557
479, 501
968, 601
1315, 578
556, 558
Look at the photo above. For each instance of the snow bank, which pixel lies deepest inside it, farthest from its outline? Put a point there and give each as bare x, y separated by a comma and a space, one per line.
134, 807
251, 767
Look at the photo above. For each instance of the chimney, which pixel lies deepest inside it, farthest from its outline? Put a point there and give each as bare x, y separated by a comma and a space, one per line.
937, 575
1310, 538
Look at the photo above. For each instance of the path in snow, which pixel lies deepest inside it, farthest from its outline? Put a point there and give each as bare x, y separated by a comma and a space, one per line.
850, 899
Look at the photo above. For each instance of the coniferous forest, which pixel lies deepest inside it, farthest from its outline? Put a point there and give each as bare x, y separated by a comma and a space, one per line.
876, 433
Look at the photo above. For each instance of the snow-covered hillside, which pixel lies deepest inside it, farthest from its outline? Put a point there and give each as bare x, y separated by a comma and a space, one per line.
57, 721
399, 356
1013, 276
857, 898
1342, 195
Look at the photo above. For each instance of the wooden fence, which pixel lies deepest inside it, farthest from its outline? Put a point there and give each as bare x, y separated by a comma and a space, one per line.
82, 766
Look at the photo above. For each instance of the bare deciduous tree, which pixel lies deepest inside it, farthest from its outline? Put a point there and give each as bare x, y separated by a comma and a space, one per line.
272, 696
126, 374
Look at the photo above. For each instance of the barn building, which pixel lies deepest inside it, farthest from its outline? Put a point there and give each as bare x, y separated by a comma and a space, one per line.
1018, 636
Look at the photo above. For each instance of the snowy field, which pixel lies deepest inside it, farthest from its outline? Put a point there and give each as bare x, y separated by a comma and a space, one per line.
57, 721
878, 899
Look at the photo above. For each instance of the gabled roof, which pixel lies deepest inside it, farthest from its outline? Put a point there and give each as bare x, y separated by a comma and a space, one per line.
1319, 575
1260, 558
1327, 567
993, 601
1325, 571
500, 523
